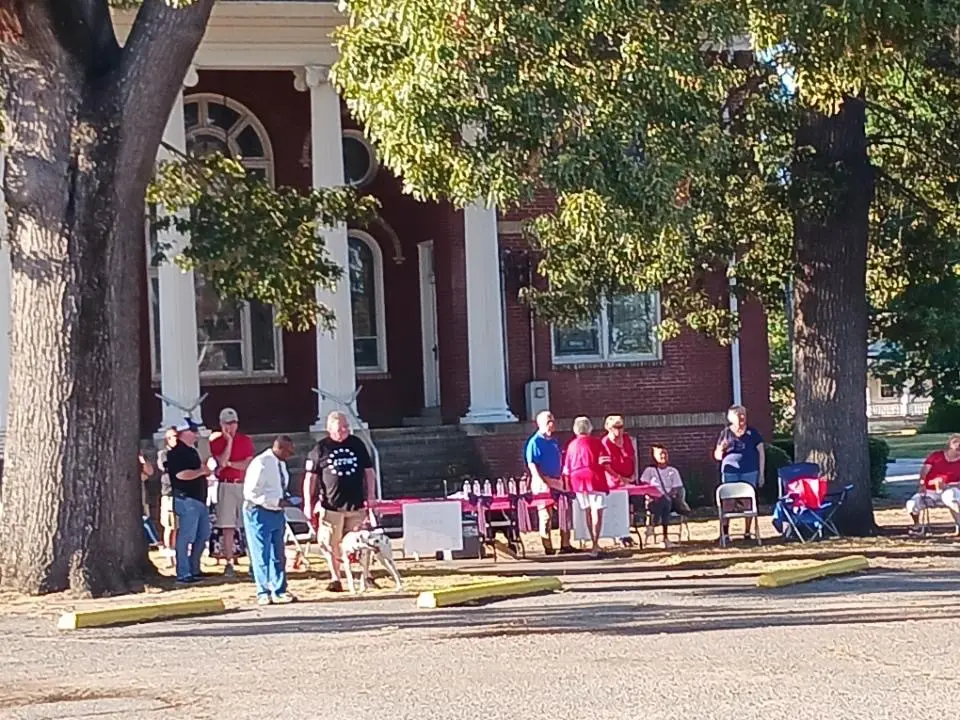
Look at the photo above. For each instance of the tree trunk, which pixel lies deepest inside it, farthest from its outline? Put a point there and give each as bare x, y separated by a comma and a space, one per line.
86, 119
830, 306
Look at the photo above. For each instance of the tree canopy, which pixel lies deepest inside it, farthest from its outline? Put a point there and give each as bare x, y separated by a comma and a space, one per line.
666, 153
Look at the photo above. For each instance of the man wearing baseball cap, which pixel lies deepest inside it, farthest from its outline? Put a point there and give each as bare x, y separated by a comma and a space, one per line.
188, 479
233, 452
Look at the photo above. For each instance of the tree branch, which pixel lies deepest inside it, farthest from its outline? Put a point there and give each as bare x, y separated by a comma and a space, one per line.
154, 61
85, 29
907, 192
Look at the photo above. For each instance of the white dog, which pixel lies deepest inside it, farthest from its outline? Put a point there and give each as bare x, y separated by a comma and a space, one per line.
358, 546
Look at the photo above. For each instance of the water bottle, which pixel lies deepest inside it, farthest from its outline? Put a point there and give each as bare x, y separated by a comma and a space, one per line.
466, 488
476, 487
523, 486
511, 487
487, 488
500, 488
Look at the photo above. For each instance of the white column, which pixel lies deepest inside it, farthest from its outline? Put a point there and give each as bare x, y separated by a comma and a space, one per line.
179, 372
488, 381
5, 279
336, 372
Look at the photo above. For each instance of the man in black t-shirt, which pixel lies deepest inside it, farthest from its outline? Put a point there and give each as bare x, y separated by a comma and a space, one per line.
340, 476
188, 479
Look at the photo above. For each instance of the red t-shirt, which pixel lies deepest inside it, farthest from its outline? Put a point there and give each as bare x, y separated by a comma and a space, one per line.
581, 464
941, 469
623, 459
242, 450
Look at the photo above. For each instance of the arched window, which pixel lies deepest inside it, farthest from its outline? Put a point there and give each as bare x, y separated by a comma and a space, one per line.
233, 339
366, 300
216, 123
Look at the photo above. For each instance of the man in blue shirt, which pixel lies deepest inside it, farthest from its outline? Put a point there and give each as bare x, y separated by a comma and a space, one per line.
544, 462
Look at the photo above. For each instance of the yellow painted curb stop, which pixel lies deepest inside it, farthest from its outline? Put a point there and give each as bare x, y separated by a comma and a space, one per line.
486, 590
843, 566
139, 613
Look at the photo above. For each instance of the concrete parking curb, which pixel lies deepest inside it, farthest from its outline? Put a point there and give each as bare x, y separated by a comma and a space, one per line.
843, 566
497, 589
139, 613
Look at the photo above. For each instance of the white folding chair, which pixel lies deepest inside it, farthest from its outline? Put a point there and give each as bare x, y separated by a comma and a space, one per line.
294, 515
737, 491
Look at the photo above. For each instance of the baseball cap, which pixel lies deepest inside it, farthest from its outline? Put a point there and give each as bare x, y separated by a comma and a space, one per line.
229, 415
187, 424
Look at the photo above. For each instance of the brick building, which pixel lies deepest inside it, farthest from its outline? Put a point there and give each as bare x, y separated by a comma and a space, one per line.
429, 321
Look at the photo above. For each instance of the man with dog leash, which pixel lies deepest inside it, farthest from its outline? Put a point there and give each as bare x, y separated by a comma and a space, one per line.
264, 497
340, 475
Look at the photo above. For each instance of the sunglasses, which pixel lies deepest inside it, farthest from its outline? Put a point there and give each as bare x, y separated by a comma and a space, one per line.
618, 427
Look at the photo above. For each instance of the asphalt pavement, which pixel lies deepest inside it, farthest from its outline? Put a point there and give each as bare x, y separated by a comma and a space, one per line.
621, 642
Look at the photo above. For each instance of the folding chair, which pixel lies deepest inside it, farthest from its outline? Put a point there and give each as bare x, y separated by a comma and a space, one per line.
653, 527
737, 491
295, 516
806, 507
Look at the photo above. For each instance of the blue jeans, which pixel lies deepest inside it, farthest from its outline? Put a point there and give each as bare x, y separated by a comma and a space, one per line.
265, 546
748, 477
193, 530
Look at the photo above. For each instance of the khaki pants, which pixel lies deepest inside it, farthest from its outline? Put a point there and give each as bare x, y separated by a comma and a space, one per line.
335, 524
545, 525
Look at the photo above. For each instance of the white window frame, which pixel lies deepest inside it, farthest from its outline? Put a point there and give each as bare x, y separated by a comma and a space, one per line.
379, 303
374, 160
247, 117
266, 162
604, 357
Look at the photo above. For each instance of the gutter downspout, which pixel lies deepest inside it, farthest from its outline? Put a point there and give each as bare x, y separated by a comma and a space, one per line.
736, 375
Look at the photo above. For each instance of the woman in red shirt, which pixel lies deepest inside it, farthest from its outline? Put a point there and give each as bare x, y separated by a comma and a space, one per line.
585, 465
622, 452
939, 484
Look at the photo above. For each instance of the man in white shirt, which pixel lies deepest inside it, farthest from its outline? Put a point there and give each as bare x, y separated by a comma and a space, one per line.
264, 497
666, 478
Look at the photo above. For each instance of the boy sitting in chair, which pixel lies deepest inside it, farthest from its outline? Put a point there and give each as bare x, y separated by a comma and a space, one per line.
664, 476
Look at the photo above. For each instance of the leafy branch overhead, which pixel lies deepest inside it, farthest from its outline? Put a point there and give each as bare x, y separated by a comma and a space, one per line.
665, 155
250, 240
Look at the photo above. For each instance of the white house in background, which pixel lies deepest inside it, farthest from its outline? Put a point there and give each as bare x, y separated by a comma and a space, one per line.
890, 407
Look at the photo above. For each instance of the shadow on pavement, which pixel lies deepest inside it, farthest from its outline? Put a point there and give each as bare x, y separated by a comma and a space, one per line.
740, 610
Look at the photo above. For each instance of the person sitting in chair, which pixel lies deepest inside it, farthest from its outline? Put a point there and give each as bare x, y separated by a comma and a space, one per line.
663, 476
939, 484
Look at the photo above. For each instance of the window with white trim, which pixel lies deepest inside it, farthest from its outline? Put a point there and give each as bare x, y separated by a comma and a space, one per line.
366, 302
234, 339
624, 331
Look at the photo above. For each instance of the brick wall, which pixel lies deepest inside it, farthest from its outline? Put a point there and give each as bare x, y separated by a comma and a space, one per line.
692, 377
290, 405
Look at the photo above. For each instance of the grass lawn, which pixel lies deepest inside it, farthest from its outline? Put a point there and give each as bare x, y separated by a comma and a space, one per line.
915, 445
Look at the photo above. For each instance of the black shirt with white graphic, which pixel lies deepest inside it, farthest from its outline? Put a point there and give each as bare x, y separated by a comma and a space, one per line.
341, 468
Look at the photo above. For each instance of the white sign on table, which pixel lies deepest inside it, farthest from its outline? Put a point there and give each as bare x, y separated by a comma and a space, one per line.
616, 517
430, 527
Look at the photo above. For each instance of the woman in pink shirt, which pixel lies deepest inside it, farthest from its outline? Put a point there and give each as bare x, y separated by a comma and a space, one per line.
585, 465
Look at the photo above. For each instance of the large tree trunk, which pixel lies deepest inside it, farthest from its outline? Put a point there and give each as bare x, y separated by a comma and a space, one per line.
86, 119
830, 306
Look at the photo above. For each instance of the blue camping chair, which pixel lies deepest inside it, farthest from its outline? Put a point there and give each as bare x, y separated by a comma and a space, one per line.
794, 520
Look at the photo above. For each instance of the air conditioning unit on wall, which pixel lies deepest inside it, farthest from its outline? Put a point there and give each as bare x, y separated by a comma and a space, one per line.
537, 394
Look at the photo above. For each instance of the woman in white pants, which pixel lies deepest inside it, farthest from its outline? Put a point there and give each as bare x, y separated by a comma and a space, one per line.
585, 466
939, 484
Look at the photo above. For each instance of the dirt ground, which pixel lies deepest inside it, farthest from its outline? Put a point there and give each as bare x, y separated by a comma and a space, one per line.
893, 549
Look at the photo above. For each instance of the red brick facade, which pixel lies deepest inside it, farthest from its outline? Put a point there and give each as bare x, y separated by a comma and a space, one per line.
693, 376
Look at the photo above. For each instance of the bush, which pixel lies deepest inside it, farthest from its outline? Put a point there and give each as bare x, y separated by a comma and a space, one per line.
942, 417
877, 448
776, 458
